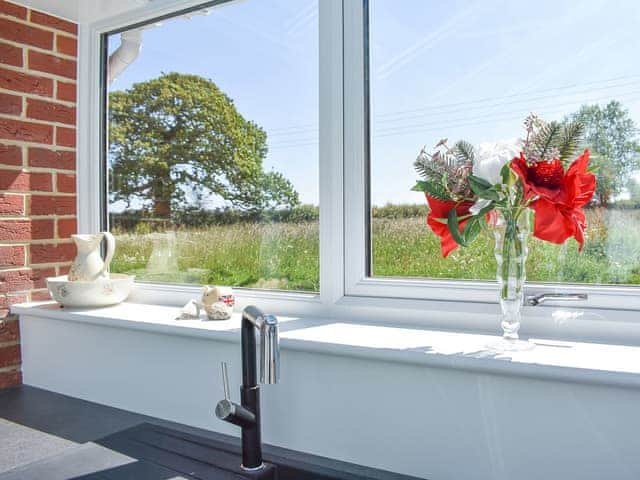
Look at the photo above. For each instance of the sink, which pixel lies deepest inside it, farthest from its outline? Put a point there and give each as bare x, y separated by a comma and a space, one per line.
151, 452
193, 456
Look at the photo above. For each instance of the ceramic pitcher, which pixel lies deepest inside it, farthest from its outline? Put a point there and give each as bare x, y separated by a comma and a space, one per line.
89, 264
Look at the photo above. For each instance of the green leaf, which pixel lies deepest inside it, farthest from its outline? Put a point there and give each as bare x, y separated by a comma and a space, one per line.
505, 173
433, 189
452, 223
483, 189
472, 229
420, 186
485, 210
478, 183
490, 194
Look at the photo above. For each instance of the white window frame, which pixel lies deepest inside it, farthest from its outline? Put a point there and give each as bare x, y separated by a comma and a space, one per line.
346, 290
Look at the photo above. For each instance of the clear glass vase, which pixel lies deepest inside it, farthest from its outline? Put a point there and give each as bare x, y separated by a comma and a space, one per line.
511, 230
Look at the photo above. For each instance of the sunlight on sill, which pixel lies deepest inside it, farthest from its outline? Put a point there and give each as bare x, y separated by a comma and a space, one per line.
559, 360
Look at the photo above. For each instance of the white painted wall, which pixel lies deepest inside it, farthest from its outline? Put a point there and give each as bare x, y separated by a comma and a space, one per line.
83, 11
440, 424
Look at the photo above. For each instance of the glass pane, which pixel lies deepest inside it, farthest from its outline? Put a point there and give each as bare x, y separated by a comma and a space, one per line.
474, 70
213, 147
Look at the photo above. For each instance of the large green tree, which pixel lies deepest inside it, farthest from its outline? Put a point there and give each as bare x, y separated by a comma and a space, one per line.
611, 135
178, 137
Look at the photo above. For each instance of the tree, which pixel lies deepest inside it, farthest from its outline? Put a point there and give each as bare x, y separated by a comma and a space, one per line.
610, 134
179, 136
634, 190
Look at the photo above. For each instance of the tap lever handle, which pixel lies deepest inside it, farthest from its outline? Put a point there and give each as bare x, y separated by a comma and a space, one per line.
534, 300
225, 381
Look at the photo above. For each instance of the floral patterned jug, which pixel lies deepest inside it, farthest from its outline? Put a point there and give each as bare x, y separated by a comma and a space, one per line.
89, 265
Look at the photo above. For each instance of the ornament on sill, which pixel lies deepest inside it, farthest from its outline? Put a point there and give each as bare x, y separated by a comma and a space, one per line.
218, 302
191, 311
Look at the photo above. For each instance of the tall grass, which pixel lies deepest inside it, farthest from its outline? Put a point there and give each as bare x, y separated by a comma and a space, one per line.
286, 255
280, 255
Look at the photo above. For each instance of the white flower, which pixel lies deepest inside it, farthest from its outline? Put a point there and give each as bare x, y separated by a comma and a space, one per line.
490, 158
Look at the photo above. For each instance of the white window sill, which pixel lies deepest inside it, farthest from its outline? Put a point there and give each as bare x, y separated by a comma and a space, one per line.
582, 362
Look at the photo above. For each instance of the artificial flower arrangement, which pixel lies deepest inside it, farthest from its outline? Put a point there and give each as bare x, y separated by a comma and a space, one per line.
497, 186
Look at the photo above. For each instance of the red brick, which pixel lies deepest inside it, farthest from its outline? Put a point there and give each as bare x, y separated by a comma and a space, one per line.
63, 269
21, 82
7, 300
66, 91
10, 155
43, 157
11, 378
44, 62
27, 131
9, 331
12, 9
40, 296
66, 137
17, 230
26, 279
49, 111
9, 355
11, 256
11, 205
10, 104
42, 229
18, 180
50, 253
67, 45
21, 33
66, 183
10, 55
53, 22
39, 276
52, 205
67, 227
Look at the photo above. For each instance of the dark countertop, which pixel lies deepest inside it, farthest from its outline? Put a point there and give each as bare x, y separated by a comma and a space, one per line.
69, 438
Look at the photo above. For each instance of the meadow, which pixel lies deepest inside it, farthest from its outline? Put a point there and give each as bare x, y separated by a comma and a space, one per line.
284, 255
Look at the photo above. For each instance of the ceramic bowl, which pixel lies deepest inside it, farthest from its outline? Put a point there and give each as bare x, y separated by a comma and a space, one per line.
100, 293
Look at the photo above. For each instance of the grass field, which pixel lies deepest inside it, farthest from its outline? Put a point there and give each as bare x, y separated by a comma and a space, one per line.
285, 255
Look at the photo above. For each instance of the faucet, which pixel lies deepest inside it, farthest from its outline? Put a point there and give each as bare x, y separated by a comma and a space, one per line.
247, 414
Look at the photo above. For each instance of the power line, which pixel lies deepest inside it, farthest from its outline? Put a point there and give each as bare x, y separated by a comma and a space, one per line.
440, 125
490, 115
465, 105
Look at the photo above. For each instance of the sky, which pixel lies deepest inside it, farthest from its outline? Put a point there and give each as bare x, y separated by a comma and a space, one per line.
469, 69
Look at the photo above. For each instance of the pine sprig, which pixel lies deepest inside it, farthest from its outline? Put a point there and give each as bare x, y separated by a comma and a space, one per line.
445, 171
570, 140
464, 151
545, 140
553, 140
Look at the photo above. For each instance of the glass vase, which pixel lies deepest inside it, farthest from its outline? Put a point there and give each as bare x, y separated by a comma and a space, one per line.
511, 230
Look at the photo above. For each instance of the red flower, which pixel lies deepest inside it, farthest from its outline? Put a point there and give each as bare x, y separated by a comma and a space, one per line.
439, 213
559, 196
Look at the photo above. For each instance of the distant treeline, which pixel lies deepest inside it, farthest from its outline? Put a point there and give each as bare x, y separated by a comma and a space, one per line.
131, 220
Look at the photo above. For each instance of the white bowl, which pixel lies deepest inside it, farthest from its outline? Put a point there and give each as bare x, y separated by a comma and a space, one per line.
100, 293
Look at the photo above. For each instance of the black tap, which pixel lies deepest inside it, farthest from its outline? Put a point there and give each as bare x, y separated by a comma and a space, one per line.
247, 414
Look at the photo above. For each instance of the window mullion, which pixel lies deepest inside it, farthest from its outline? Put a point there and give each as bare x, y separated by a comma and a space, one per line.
355, 130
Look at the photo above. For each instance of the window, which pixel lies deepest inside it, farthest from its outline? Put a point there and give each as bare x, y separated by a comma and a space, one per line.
473, 71
212, 146
330, 102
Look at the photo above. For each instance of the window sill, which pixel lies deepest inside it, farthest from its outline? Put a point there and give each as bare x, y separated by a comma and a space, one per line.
582, 362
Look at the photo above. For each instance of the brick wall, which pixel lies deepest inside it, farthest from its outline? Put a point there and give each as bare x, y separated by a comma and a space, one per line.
37, 163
